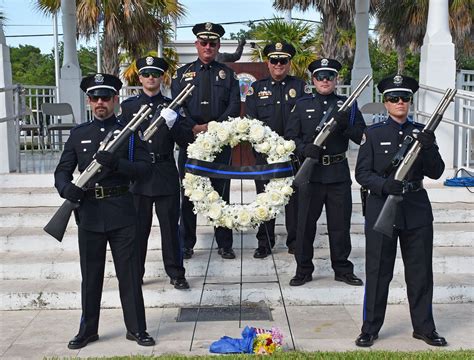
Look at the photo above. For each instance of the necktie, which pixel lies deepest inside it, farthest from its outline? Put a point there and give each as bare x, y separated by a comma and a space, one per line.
205, 93
278, 113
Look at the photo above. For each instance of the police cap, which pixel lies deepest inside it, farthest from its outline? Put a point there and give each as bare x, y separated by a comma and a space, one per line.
398, 85
101, 85
151, 64
279, 50
208, 31
324, 64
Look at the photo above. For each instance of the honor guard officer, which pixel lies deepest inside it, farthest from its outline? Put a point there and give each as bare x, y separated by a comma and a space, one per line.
215, 98
106, 212
330, 181
382, 142
162, 187
270, 100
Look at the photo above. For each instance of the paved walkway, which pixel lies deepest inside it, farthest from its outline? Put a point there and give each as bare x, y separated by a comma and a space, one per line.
38, 333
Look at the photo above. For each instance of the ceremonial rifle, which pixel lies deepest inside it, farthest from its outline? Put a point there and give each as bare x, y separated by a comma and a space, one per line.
56, 227
386, 219
304, 173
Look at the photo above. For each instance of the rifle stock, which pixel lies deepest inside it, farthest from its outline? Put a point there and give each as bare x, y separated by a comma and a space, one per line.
386, 219
56, 227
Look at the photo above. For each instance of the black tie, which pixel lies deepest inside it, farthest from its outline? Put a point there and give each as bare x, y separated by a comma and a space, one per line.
205, 91
278, 114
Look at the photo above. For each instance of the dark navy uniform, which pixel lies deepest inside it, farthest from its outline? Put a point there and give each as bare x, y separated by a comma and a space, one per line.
109, 219
224, 102
161, 188
414, 226
329, 185
262, 99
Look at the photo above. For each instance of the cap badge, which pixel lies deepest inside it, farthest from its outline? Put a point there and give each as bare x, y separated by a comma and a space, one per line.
292, 93
208, 26
278, 46
324, 62
149, 60
397, 79
99, 78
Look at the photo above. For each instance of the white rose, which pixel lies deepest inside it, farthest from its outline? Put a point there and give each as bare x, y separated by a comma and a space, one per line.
280, 149
213, 196
242, 126
289, 145
261, 213
215, 211
244, 217
206, 145
212, 126
263, 147
228, 222
287, 190
276, 198
187, 192
197, 195
257, 132
262, 199
222, 134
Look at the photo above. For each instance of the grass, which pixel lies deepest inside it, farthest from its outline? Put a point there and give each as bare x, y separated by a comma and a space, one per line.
348, 355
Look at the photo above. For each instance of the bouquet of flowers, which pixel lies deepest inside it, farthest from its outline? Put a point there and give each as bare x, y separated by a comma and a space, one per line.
266, 342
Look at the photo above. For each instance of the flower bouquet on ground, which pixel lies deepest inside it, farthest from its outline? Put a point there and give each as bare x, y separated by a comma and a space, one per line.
266, 342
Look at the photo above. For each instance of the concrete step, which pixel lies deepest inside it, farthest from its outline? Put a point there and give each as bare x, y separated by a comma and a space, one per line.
64, 265
456, 212
35, 239
323, 290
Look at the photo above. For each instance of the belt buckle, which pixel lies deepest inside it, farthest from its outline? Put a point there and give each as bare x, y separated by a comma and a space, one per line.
326, 159
99, 192
153, 157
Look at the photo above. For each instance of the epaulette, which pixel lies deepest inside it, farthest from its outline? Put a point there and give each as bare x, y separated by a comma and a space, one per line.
377, 125
81, 125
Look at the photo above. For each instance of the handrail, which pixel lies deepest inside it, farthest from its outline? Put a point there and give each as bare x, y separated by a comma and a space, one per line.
463, 94
449, 121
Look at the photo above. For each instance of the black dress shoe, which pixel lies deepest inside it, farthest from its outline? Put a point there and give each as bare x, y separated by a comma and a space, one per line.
349, 279
261, 252
80, 341
180, 283
188, 253
432, 339
226, 253
142, 338
366, 340
299, 280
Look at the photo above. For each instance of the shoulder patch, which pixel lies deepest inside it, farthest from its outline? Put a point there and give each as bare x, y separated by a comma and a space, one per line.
250, 91
307, 89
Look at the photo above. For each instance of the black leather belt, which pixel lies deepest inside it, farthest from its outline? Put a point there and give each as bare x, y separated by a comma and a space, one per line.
160, 157
332, 159
101, 192
412, 186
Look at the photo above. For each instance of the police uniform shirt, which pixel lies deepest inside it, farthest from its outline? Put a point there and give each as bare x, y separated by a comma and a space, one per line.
113, 212
380, 143
164, 179
225, 93
304, 119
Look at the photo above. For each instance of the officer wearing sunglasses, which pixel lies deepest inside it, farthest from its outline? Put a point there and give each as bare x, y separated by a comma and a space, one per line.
414, 225
215, 98
161, 189
330, 183
271, 100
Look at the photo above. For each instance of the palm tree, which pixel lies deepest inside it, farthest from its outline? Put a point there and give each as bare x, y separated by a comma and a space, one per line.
300, 35
408, 28
132, 25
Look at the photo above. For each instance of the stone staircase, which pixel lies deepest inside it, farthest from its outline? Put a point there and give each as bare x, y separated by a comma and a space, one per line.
39, 272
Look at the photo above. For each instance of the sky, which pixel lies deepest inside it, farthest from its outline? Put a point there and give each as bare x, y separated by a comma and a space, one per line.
23, 19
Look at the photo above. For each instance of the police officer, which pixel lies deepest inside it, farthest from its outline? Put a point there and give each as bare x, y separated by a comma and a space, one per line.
330, 182
414, 223
106, 212
270, 100
162, 187
215, 98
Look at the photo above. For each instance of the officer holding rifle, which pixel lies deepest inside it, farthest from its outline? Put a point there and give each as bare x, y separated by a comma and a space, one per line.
106, 212
382, 143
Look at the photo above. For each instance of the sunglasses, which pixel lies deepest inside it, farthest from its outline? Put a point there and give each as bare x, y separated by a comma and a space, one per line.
155, 75
205, 43
322, 76
396, 99
282, 61
96, 98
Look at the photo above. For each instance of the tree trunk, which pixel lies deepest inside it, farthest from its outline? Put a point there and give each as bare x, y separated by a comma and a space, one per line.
110, 57
330, 35
402, 54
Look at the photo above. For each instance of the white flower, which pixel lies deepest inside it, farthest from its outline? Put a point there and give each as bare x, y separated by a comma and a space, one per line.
213, 196
242, 125
261, 213
287, 190
244, 217
263, 148
197, 195
262, 198
276, 198
257, 132
223, 134
280, 149
289, 145
212, 126
228, 222
215, 211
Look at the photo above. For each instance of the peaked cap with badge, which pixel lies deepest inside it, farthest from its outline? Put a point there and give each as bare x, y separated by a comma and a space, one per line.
279, 50
208, 31
149, 64
324, 64
398, 85
101, 85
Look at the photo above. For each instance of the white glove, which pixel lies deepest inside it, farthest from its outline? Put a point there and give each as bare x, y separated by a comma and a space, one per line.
170, 116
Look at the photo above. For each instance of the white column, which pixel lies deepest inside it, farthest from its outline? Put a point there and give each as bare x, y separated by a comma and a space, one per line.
438, 69
56, 56
362, 66
70, 71
9, 146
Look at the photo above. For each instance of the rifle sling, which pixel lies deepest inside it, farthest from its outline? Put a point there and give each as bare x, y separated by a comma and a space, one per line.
399, 156
325, 118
